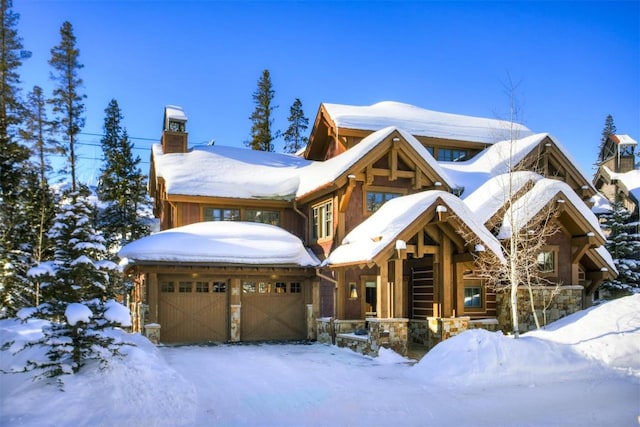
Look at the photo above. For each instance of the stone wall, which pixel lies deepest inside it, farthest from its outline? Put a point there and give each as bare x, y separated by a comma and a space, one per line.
389, 333
568, 301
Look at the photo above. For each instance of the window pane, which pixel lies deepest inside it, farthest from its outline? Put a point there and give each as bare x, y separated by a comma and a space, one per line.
219, 287
281, 287
167, 287
249, 287
265, 217
202, 286
473, 297
296, 288
264, 287
546, 262
185, 287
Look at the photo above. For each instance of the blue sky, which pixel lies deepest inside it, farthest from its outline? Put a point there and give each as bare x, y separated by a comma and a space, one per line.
572, 62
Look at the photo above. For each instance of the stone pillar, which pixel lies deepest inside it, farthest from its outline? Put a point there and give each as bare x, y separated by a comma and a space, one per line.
311, 323
235, 322
152, 332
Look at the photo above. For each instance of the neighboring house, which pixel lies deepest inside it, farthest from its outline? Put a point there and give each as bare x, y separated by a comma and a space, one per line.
617, 178
373, 224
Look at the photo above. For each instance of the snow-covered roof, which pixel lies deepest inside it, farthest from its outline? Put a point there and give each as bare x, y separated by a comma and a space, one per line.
220, 171
531, 203
623, 140
487, 200
230, 242
630, 180
382, 228
421, 122
175, 112
498, 159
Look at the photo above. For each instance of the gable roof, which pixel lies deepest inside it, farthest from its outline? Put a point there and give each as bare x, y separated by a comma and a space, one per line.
630, 181
230, 242
544, 192
318, 174
381, 230
421, 122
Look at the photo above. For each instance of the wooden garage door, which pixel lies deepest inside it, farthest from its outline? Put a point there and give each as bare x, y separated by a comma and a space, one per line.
193, 311
273, 311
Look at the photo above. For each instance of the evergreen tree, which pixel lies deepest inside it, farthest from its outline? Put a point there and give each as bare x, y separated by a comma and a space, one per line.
261, 134
67, 101
15, 169
77, 293
298, 124
623, 243
609, 129
122, 185
37, 130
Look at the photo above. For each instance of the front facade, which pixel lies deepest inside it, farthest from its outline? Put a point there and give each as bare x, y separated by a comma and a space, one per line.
383, 199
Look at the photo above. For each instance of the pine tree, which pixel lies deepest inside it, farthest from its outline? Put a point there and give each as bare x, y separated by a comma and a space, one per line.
298, 124
623, 243
67, 101
261, 134
122, 185
15, 170
37, 130
77, 293
609, 129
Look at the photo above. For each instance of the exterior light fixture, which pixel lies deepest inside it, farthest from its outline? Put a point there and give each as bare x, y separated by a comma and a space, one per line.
353, 291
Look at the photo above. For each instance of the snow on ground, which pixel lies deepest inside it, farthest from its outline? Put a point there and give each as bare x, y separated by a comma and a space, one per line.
581, 371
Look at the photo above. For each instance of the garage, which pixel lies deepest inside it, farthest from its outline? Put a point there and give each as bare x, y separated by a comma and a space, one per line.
193, 311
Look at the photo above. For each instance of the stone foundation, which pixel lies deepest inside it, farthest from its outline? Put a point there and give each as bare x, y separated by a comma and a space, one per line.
568, 301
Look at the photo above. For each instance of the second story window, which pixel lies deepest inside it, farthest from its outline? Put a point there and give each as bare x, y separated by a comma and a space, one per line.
263, 216
323, 220
375, 199
451, 155
219, 214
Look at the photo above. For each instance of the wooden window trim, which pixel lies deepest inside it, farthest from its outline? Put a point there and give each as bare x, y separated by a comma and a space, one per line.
315, 227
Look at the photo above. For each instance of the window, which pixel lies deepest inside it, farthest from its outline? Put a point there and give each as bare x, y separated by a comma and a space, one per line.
323, 220
167, 287
202, 287
375, 199
546, 262
295, 288
185, 287
451, 155
281, 287
472, 297
264, 287
219, 214
249, 287
219, 287
265, 217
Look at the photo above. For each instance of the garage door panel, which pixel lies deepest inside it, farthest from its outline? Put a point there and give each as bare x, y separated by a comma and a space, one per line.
193, 317
273, 317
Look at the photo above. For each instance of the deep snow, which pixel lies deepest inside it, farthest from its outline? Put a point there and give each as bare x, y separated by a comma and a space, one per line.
583, 370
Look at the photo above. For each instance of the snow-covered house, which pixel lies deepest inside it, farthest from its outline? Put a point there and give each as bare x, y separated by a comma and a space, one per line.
364, 230
616, 177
